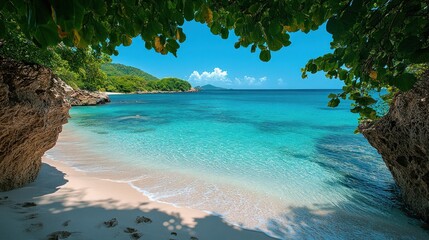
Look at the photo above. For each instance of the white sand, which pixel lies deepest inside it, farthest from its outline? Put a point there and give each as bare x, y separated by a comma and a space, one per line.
113, 93
72, 201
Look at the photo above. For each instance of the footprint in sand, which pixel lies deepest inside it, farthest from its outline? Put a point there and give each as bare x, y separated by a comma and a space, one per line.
3, 200
136, 235
66, 223
143, 219
27, 204
111, 223
31, 216
130, 230
59, 235
34, 227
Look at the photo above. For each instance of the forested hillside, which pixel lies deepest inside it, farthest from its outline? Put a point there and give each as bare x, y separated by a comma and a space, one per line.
117, 69
122, 78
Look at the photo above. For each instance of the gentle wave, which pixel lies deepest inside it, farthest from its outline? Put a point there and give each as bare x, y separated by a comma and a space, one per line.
258, 160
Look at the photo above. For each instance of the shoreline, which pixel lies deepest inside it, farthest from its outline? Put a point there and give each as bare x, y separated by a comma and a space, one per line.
150, 92
63, 200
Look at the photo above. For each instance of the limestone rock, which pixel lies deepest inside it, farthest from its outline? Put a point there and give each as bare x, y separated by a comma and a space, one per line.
77, 97
87, 98
402, 139
32, 112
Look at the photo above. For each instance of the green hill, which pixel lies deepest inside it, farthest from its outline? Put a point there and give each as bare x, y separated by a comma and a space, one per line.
122, 78
116, 69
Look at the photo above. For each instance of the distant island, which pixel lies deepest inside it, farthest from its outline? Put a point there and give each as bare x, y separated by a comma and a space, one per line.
208, 87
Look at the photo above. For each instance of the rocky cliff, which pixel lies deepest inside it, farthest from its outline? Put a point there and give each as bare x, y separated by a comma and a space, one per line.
86, 98
83, 97
402, 139
32, 112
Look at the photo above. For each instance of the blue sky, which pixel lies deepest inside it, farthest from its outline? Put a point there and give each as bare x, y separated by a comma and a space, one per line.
207, 59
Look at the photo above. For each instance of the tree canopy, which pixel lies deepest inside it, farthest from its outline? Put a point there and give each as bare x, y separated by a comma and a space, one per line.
116, 69
374, 41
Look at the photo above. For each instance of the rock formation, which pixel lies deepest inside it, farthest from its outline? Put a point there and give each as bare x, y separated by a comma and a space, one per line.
87, 98
32, 112
83, 97
402, 139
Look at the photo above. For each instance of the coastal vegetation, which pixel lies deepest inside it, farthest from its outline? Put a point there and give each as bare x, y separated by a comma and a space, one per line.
87, 69
117, 69
126, 79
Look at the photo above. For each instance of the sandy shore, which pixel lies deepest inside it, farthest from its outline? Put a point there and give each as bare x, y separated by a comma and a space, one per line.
113, 93
64, 203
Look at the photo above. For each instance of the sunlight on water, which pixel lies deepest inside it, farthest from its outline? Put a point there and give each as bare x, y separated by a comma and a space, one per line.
278, 161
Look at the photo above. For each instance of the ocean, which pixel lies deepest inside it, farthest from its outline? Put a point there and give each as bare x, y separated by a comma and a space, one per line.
279, 161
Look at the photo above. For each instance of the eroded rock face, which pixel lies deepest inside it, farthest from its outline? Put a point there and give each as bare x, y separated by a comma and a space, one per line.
32, 112
402, 139
86, 98
82, 97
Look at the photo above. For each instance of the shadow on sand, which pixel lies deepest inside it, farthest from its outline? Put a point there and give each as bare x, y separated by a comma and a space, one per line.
85, 219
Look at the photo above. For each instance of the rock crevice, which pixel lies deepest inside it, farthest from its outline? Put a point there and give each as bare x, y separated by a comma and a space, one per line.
402, 139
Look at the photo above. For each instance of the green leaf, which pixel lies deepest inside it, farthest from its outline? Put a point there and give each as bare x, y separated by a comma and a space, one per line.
332, 95
46, 34
334, 26
237, 45
265, 55
126, 40
172, 43
274, 44
148, 45
404, 82
334, 102
253, 48
224, 33
215, 28
275, 28
342, 74
365, 100
180, 35
189, 10
409, 45
99, 6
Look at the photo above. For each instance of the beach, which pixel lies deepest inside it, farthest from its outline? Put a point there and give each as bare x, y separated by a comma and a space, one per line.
70, 204
141, 167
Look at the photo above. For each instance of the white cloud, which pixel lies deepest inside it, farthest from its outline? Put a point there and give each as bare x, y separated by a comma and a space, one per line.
218, 75
251, 81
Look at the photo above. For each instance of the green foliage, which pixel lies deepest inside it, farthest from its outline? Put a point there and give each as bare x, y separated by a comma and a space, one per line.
79, 68
375, 42
116, 69
129, 84
122, 78
169, 84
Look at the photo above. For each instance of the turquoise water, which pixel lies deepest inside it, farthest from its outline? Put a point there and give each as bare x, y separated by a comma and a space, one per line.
275, 160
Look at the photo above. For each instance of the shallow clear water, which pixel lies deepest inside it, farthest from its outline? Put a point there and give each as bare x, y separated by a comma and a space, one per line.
276, 160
